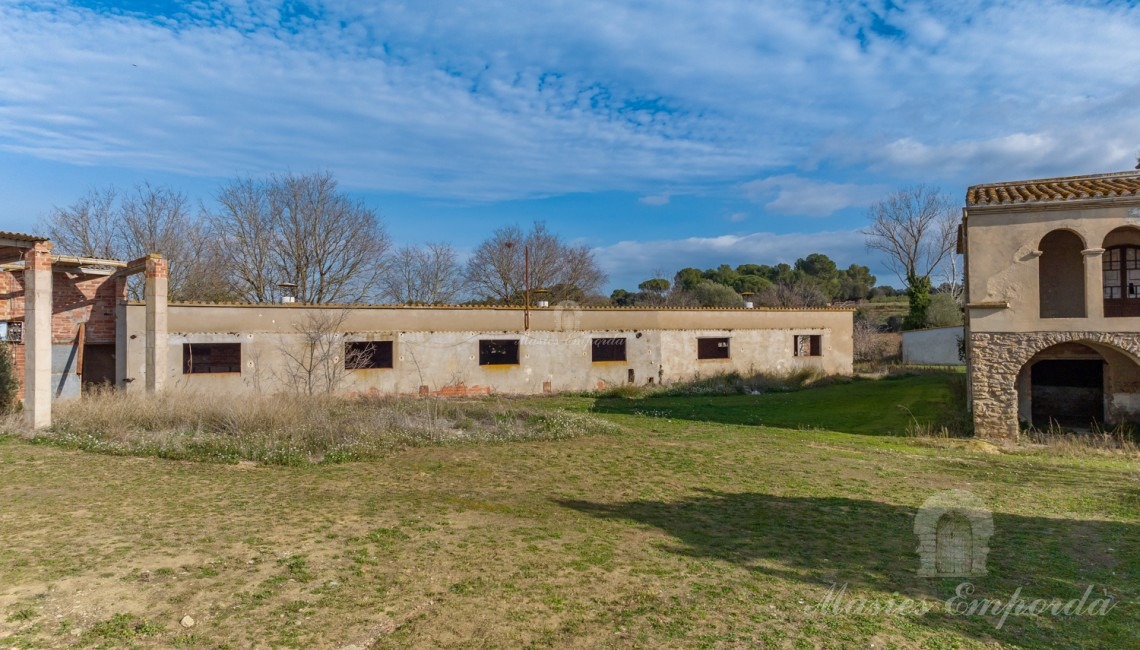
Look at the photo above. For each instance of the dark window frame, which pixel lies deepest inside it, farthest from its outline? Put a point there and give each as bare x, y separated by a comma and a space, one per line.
499, 352
211, 358
710, 347
814, 345
372, 355
1122, 298
608, 349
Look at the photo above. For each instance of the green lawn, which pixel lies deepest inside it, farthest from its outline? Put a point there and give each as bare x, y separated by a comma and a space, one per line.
873, 407
695, 528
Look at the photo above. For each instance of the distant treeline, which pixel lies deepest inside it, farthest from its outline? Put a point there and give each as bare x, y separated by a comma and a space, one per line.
813, 281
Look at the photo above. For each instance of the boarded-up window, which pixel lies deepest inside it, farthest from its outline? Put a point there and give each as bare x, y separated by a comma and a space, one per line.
808, 345
609, 350
211, 357
499, 352
711, 348
364, 355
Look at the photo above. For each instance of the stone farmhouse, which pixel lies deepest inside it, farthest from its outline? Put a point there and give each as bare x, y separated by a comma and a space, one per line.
1053, 302
71, 325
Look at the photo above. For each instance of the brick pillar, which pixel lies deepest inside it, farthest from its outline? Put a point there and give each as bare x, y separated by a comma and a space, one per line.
37, 335
154, 293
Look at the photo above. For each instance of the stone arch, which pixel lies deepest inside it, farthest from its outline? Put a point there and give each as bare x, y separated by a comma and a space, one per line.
1123, 235
997, 359
1061, 275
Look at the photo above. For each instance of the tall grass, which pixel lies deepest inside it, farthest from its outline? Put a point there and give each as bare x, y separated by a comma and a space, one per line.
731, 383
295, 430
1119, 438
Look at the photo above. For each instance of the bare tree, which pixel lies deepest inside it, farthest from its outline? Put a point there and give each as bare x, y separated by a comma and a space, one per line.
496, 270
317, 364
429, 274
87, 228
915, 228
303, 230
245, 227
129, 225
157, 220
793, 292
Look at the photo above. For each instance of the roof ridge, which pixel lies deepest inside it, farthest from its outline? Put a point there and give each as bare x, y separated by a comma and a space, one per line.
1062, 179
1060, 189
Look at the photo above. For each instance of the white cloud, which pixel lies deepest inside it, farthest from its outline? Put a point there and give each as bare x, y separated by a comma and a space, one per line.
737, 217
504, 100
655, 199
793, 195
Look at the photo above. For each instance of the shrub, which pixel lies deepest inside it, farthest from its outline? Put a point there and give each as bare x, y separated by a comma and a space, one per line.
9, 382
875, 347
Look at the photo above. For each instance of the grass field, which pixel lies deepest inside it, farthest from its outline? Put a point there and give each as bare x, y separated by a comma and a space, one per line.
699, 524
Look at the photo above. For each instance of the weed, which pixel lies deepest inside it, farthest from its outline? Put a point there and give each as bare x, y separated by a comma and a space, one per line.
123, 627
297, 566
22, 614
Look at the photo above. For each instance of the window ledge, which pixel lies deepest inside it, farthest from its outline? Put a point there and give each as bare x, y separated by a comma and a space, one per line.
1001, 304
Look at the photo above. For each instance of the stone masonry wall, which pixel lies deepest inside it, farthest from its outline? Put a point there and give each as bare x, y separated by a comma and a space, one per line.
996, 359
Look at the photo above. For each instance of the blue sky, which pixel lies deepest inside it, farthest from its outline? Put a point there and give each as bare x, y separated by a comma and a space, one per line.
663, 134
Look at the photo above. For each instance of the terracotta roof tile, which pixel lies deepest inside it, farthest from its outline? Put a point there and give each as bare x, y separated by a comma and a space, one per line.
22, 237
1052, 190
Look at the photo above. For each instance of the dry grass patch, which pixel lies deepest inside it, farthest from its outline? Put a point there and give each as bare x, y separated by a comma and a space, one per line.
295, 429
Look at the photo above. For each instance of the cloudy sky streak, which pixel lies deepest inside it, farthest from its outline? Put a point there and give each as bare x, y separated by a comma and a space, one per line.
645, 129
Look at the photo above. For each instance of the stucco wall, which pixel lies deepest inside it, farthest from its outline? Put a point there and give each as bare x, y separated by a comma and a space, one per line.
438, 348
1005, 329
1003, 265
938, 346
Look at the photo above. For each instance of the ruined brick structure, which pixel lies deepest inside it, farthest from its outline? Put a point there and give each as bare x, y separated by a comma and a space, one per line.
83, 314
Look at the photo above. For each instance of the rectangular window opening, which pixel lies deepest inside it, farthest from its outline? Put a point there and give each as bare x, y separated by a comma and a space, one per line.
608, 350
366, 355
12, 331
808, 345
499, 352
211, 358
712, 348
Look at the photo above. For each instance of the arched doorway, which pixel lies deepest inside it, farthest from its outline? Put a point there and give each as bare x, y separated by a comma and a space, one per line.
1079, 385
1061, 275
1068, 392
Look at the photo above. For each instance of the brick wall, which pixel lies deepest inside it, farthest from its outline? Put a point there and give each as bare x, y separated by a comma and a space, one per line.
76, 299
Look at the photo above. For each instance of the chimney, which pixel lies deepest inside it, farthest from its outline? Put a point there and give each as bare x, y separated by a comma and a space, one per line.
288, 292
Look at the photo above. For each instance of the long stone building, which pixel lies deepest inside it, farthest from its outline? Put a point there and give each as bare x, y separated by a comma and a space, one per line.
1053, 302
70, 325
453, 350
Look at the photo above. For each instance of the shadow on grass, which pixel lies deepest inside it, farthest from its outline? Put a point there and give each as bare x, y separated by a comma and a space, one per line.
871, 547
873, 407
